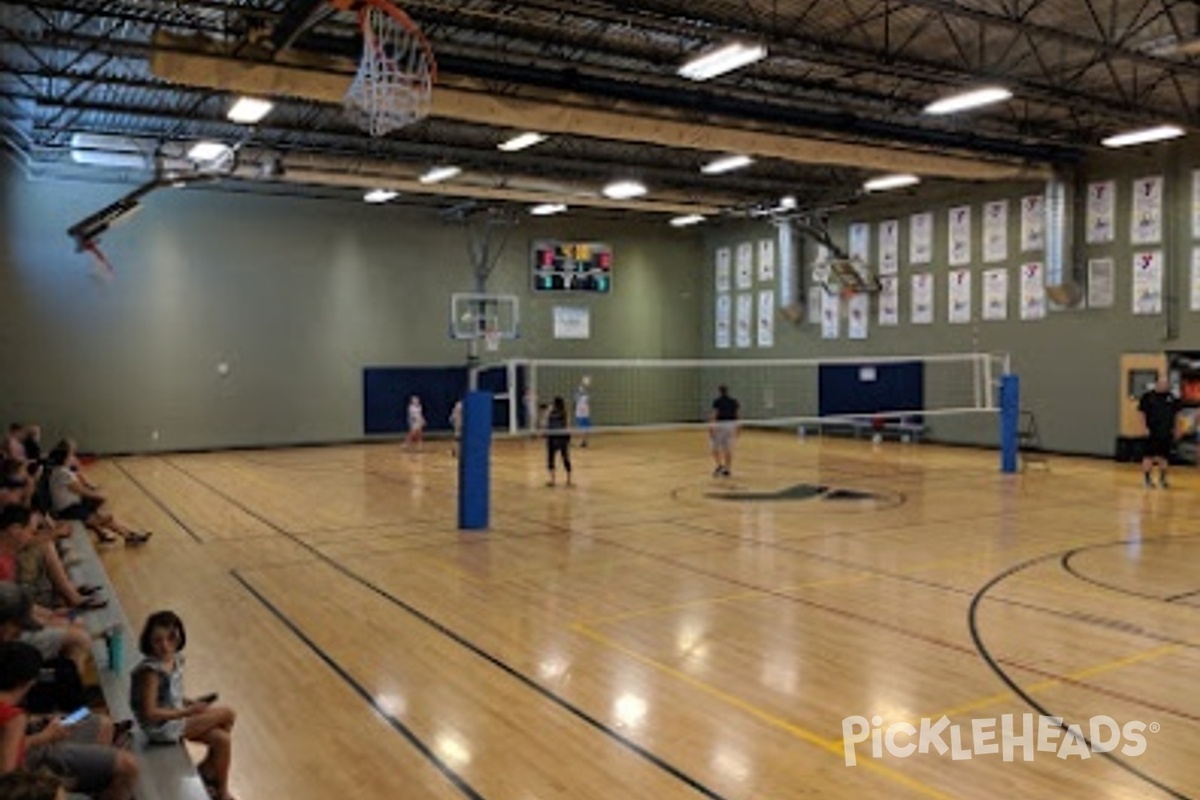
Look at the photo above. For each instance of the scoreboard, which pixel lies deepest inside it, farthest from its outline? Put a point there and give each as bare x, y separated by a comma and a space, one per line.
572, 267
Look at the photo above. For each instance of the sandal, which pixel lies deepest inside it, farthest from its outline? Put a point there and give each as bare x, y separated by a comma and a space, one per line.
123, 734
138, 538
91, 604
88, 589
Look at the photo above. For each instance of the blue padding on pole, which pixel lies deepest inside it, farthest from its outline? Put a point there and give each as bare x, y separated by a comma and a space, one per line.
474, 462
1010, 411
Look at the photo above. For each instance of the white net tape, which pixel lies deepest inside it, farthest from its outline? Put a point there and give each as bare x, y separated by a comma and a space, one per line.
394, 82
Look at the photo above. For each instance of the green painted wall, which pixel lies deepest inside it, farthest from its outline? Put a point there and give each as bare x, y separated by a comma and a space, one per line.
297, 296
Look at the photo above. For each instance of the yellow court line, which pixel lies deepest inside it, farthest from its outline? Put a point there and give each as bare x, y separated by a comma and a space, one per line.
792, 729
1050, 683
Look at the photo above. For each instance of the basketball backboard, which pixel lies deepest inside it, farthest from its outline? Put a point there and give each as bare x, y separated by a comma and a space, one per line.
476, 315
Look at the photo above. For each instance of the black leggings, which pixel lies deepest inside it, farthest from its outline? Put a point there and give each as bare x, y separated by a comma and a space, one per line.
558, 444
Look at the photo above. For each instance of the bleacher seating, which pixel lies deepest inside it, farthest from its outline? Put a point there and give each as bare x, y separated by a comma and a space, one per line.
164, 772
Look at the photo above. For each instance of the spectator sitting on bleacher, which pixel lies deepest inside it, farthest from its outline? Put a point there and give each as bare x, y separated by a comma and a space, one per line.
72, 752
73, 497
22, 784
166, 715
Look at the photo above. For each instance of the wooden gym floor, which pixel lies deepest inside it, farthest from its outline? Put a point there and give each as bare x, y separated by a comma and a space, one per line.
655, 633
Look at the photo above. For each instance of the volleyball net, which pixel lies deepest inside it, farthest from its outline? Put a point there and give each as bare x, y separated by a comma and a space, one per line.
630, 395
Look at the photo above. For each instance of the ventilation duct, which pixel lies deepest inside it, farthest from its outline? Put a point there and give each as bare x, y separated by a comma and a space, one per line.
1062, 283
119, 152
791, 306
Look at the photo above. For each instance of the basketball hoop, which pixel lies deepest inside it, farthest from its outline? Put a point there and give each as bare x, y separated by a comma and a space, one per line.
491, 341
394, 82
102, 268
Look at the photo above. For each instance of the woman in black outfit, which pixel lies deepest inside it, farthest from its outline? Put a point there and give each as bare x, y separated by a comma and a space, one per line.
557, 440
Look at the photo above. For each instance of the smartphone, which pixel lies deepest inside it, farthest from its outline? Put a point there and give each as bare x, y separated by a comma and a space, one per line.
211, 697
75, 717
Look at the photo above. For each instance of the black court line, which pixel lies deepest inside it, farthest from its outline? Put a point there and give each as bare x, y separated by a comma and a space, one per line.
985, 654
154, 498
453, 777
470, 646
1071, 570
1175, 598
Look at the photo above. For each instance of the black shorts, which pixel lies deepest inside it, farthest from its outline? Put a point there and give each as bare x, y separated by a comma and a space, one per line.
79, 512
1158, 446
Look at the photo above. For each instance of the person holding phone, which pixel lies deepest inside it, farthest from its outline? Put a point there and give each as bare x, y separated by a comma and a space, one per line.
69, 747
166, 715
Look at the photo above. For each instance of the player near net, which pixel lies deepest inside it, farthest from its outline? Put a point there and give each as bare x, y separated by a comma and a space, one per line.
1159, 409
722, 430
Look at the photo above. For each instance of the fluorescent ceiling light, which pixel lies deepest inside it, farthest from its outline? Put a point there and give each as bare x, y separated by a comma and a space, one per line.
439, 174
380, 195
250, 110
546, 209
724, 59
686, 220
726, 164
787, 202
208, 151
968, 100
886, 182
1144, 136
521, 142
624, 190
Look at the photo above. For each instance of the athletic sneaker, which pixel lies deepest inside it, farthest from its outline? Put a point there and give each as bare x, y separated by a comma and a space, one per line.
1162, 481
718, 472
1148, 479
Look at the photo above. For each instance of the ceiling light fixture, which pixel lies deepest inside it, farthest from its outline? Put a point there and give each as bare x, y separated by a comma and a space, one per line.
380, 195
521, 142
624, 190
885, 182
439, 174
726, 164
686, 220
249, 110
965, 101
725, 58
547, 209
1144, 136
208, 151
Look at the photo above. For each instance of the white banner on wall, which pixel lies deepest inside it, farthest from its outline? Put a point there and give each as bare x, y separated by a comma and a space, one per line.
831, 315
766, 261
1101, 283
889, 247
1033, 223
744, 321
860, 241
815, 300
1146, 227
766, 318
1101, 212
920, 238
995, 231
745, 266
1147, 282
859, 313
960, 236
995, 294
572, 322
922, 298
889, 300
723, 264
1033, 291
1196, 204
724, 320
1195, 304
958, 296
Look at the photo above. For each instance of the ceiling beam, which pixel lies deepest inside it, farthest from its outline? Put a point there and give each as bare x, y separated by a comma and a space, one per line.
183, 61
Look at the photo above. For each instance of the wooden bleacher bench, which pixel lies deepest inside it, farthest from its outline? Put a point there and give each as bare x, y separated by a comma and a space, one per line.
164, 772
865, 426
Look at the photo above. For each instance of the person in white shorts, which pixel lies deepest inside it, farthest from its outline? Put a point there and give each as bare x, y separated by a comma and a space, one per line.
722, 431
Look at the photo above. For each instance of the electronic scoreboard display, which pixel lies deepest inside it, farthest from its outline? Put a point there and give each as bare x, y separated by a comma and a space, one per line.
572, 267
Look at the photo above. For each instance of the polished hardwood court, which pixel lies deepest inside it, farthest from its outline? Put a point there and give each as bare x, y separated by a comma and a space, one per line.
655, 633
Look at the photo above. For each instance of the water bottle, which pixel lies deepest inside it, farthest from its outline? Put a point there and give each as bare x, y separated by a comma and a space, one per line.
114, 637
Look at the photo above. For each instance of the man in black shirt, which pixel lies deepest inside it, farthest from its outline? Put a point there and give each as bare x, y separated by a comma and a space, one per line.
722, 430
1159, 409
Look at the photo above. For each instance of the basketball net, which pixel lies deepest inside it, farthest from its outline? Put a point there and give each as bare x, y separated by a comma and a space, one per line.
102, 268
394, 82
491, 340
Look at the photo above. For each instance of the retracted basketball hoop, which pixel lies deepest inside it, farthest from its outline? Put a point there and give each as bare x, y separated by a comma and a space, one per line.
394, 82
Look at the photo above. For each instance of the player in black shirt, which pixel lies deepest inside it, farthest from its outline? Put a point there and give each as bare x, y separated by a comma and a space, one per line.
1159, 409
722, 430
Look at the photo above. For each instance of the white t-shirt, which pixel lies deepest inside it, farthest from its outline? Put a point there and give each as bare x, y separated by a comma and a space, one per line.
583, 405
416, 416
61, 494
